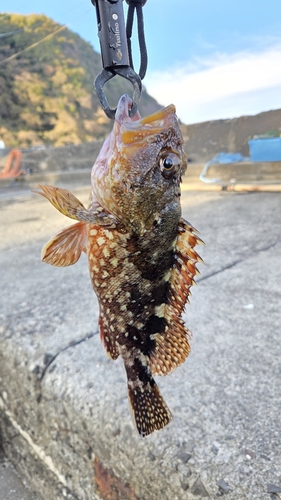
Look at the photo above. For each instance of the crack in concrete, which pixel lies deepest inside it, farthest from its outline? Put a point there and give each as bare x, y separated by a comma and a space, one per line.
38, 450
72, 344
239, 261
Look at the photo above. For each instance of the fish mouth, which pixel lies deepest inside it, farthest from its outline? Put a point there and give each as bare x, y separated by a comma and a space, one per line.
136, 130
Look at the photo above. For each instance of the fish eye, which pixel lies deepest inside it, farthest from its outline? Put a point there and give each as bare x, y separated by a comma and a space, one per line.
169, 163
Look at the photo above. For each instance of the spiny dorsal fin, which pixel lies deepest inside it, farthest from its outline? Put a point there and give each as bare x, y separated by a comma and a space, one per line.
66, 247
172, 347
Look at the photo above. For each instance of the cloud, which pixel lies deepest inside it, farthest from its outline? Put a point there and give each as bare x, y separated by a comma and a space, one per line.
222, 86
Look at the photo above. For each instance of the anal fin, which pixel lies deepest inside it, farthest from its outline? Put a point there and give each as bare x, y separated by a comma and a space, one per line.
171, 348
66, 247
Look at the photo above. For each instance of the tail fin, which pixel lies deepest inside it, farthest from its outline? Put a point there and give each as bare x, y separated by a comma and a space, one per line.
149, 409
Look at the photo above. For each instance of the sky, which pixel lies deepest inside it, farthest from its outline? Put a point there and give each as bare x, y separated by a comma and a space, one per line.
211, 58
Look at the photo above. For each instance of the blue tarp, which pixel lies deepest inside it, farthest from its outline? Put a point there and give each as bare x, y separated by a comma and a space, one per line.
266, 149
228, 158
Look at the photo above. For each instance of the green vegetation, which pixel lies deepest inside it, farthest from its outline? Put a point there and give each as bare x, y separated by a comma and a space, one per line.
46, 92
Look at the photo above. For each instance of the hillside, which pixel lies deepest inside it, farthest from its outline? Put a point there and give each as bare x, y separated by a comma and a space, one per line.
46, 92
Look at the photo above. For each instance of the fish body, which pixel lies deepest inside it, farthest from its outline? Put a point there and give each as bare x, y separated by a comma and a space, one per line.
140, 252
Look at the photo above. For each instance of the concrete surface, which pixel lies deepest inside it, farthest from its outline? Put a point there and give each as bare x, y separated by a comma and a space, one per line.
11, 485
65, 421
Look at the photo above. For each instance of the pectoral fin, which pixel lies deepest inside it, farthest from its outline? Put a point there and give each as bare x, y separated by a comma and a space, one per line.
64, 201
66, 247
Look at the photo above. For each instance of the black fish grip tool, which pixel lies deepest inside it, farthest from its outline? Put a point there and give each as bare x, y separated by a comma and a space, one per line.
116, 52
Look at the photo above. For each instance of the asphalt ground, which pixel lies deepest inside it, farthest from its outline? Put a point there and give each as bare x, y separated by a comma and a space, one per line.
224, 439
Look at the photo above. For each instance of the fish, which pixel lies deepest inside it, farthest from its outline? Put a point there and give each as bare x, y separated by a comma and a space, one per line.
140, 251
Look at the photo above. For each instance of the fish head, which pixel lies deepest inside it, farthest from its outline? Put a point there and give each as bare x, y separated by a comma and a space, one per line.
137, 174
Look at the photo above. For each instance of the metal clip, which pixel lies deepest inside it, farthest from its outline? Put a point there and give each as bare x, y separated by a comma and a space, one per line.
125, 72
114, 51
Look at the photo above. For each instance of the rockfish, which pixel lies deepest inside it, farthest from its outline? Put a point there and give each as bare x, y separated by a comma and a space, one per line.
140, 252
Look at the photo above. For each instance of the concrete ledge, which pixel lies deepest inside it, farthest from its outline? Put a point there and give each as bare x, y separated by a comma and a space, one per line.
231, 175
65, 420
57, 178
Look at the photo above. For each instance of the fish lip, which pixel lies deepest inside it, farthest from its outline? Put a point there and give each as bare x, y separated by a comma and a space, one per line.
125, 104
160, 115
122, 111
137, 130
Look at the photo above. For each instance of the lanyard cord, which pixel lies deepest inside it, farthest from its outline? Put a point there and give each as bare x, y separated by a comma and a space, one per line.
137, 5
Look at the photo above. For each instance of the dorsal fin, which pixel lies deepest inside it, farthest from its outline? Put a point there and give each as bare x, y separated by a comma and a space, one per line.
66, 247
172, 347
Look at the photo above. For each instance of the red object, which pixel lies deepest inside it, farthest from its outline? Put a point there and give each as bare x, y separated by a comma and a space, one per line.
12, 167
